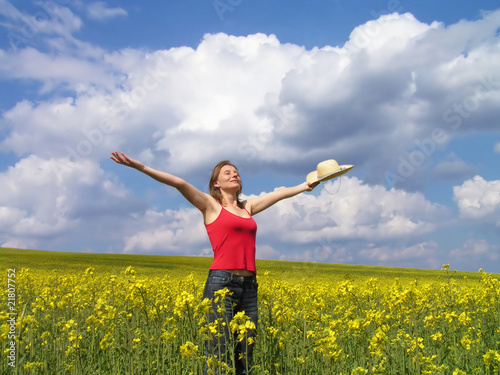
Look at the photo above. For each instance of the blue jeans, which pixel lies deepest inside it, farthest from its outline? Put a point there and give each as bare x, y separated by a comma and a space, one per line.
243, 298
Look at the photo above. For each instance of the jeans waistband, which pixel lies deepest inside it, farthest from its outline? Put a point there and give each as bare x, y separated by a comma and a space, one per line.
232, 276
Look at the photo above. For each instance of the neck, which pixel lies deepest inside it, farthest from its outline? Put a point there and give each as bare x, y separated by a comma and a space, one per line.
229, 199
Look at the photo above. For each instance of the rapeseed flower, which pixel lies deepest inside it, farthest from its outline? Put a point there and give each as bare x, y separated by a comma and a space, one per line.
188, 349
241, 324
492, 358
382, 326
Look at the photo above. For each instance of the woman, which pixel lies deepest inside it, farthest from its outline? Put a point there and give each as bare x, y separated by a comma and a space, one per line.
231, 230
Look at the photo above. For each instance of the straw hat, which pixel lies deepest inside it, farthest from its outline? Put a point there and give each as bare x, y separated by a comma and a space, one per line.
326, 170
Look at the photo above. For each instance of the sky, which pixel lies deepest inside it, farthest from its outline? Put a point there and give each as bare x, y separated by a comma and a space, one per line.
407, 91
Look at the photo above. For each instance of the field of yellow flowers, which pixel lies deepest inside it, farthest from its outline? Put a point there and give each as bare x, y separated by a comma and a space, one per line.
89, 314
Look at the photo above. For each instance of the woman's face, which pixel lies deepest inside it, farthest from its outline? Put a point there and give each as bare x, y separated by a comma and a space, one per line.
229, 178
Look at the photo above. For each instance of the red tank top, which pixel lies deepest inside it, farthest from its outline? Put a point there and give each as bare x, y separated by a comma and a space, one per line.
233, 241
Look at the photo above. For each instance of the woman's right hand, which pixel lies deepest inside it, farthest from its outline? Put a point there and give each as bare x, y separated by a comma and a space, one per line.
122, 158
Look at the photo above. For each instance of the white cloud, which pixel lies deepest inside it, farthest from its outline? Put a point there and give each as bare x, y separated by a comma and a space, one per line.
357, 211
169, 232
424, 254
478, 199
99, 11
49, 24
475, 254
58, 20
46, 201
271, 103
453, 168
57, 73
497, 148
268, 252
85, 128
9, 216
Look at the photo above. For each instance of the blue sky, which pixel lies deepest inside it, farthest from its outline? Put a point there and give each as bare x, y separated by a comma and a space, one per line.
407, 91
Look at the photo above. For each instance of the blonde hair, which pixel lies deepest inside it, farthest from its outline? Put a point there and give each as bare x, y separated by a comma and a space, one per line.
215, 191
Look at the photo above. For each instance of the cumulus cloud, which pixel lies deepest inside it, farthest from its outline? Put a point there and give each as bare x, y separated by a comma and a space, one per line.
478, 199
58, 73
325, 224
61, 128
168, 232
475, 254
423, 254
280, 104
46, 202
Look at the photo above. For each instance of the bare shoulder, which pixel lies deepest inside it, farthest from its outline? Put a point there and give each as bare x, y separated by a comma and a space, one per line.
210, 203
212, 210
247, 205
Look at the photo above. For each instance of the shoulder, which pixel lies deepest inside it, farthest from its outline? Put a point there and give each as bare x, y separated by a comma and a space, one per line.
212, 211
247, 204
212, 203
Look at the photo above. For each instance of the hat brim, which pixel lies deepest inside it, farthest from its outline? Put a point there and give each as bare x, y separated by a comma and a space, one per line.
313, 176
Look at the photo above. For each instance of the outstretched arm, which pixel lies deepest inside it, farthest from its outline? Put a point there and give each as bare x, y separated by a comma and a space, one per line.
197, 198
259, 204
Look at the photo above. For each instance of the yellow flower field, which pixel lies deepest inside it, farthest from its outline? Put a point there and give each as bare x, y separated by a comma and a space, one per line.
128, 320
